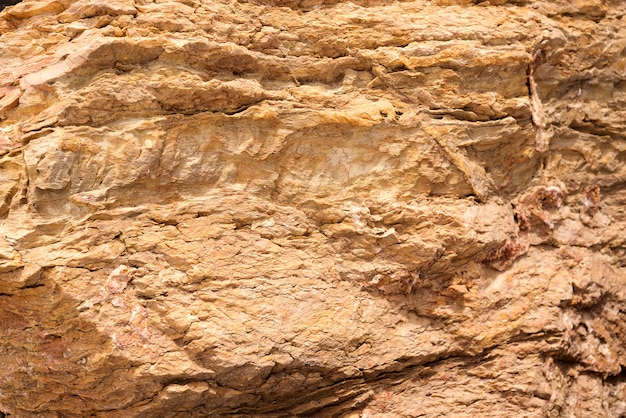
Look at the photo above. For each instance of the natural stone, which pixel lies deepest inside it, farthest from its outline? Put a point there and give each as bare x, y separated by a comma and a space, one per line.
325, 208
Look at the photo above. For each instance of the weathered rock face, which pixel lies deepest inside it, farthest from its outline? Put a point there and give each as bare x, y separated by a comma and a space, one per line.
285, 208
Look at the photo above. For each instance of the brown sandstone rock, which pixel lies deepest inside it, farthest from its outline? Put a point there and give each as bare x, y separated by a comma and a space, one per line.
325, 208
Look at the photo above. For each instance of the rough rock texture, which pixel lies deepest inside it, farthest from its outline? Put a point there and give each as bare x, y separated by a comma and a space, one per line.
313, 207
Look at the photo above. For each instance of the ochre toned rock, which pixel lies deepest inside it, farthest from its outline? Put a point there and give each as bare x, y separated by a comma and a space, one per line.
313, 208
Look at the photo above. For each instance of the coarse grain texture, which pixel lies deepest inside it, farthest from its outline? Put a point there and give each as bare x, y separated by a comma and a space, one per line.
324, 208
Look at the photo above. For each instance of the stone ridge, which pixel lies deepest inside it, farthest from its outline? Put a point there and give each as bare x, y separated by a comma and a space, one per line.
312, 208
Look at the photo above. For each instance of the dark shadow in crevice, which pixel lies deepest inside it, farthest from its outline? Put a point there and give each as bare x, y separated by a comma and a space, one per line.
3, 4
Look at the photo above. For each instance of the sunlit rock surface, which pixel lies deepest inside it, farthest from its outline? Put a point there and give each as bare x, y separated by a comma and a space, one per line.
324, 208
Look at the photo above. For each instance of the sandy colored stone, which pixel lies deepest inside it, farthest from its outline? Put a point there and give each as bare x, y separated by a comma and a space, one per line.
307, 208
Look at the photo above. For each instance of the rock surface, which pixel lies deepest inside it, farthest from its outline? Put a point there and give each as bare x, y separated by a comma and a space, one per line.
313, 207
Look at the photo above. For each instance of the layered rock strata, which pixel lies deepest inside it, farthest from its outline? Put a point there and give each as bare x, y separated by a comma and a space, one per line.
324, 208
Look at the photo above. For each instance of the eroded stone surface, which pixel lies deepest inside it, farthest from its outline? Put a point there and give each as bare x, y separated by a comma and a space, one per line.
332, 208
